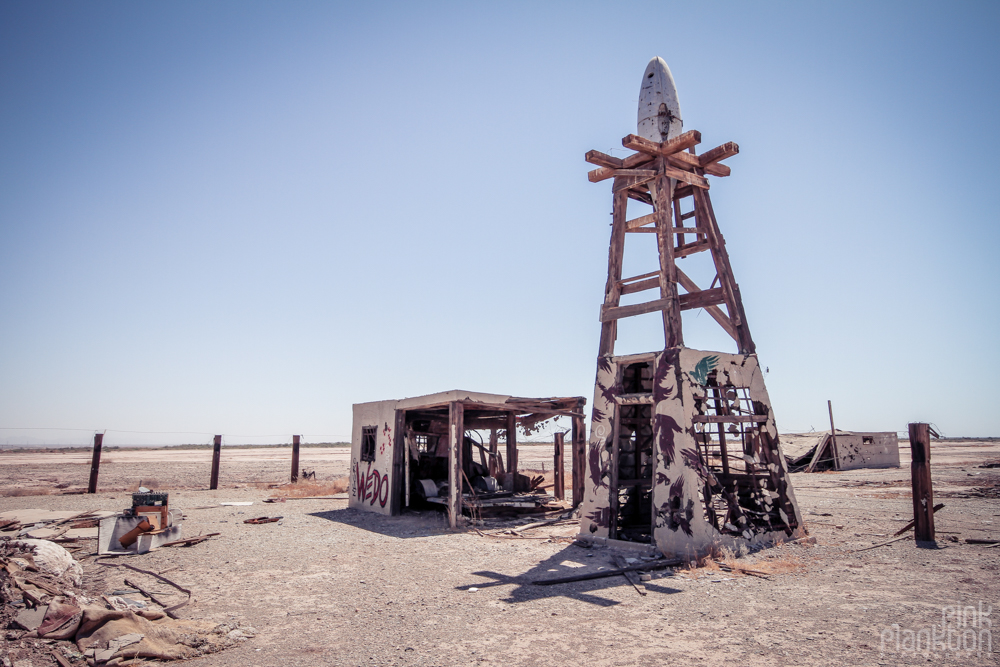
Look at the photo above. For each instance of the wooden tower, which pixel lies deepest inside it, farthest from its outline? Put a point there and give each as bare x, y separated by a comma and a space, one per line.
683, 450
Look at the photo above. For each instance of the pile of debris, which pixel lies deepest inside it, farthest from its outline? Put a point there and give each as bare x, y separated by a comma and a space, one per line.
48, 618
66, 528
148, 524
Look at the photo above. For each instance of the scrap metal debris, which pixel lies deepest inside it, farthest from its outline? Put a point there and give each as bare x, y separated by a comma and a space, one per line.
264, 519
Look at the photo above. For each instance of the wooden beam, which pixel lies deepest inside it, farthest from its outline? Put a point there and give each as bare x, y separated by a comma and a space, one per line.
603, 160
616, 249
675, 145
642, 285
511, 449
716, 169
558, 467
456, 433
295, 459
726, 150
686, 176
702, 298
609, 313
579, 444
714, 311
691, 248
636, 159
641, 221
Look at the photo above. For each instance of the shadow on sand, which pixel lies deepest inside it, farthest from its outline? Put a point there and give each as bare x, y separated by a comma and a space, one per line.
411, 524
572, 560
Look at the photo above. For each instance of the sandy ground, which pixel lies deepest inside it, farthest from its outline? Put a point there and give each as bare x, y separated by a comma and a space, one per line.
333, 586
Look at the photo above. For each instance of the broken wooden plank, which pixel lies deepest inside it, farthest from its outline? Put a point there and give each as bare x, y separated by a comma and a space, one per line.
911, 524
649, 565
629, 576
190, 541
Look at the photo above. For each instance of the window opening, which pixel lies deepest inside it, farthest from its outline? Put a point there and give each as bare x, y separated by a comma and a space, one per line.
637, 378
369, 434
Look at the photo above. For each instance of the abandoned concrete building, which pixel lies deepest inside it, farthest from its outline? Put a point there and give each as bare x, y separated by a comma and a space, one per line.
845, 450
409, 453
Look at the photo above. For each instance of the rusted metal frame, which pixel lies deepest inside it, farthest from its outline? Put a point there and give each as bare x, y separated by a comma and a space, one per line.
456, 432
216, 456
95, 462
579, 443
734, 302
612, 291
662, 191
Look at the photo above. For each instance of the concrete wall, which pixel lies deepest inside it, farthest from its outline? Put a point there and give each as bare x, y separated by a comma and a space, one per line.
867, 450
679, 376
371, 481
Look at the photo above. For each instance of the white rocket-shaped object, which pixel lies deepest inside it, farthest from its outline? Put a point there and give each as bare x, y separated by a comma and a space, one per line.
659, 110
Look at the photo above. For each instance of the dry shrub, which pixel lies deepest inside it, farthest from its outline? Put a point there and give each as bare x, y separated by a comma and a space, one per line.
12, 492
309, 488
726, 561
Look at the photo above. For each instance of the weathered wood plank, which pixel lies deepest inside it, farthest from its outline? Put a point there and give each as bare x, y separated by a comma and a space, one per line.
675, 145
726, 150
603, 160
641, 286
609, 313
702, 298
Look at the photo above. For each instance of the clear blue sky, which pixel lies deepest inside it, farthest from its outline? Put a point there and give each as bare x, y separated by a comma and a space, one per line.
243, 217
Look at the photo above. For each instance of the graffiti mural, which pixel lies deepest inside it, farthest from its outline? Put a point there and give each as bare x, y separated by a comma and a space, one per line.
369, 485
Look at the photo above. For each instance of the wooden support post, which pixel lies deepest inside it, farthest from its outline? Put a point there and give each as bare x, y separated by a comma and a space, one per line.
216, 455
557, 465
455, 436
493, 463
579, 437
511, 450
920, 476
612, 290
95, 463
833, 437
295, 459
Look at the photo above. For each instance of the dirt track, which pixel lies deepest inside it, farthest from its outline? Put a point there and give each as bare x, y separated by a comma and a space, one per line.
329, 585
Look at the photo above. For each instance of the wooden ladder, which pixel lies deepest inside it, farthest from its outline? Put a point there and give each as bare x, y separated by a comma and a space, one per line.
665, 175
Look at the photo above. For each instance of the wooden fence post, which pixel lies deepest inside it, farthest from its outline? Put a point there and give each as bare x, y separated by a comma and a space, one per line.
295, 458
557, 464
95, 463
216, 455
920, 476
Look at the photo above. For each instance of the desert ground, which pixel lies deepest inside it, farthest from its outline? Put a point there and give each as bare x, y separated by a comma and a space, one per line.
328, 585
